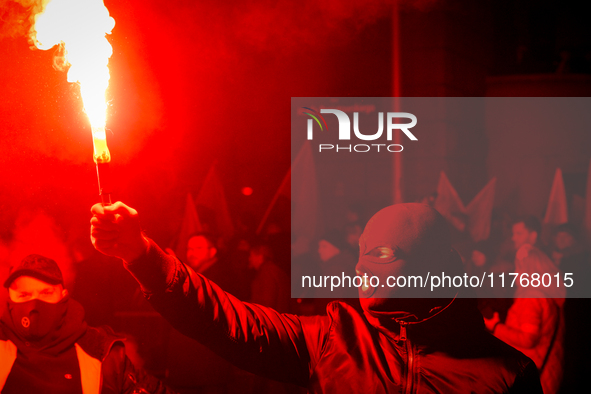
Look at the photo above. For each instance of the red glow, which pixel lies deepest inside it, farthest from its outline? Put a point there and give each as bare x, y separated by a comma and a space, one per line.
247, 191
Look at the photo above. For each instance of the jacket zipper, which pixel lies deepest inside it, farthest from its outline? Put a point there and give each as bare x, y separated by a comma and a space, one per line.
410, 358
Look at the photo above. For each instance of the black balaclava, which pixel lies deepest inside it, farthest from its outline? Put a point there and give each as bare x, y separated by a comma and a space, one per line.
419, 238
33, 320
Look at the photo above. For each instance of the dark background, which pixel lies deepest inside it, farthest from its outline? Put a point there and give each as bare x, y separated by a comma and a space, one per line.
198, 82
195, 83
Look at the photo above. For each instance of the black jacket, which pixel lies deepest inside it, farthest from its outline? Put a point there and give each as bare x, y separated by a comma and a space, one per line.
344, 352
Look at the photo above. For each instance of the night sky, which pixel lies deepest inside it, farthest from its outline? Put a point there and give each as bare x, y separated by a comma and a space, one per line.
193, 83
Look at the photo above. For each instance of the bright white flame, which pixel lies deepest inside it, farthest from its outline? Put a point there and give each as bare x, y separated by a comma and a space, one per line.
81, 26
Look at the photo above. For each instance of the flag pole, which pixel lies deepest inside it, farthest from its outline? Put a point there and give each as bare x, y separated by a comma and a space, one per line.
286, 179
397, 158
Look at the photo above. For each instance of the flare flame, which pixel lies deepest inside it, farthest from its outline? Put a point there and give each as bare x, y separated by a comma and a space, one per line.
80, 28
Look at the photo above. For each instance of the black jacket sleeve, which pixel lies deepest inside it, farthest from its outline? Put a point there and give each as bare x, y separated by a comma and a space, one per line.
255, 338
528, 381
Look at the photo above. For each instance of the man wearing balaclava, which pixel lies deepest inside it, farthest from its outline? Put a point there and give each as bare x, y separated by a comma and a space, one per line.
46, 347
398, 344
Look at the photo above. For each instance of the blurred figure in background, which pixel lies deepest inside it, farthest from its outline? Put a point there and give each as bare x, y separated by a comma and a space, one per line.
237, 257
280, 245
352, 233
534, 324
356, 220
270, 286
479, 261
192, 367
201, 252
204, 258
429, 199
570, 255
491, 300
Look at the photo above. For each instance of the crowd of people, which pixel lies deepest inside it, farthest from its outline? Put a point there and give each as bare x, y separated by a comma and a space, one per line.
245, 282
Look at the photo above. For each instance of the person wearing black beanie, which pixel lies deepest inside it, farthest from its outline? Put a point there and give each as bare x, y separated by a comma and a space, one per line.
47, 347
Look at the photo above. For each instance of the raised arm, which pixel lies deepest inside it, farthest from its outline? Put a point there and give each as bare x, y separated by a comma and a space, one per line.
258, 339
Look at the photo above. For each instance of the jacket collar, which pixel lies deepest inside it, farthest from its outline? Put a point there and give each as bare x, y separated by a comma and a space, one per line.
459, 316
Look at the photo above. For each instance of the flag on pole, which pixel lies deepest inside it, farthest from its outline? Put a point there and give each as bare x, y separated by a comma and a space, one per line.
449, 204
557, 210
212, 197
299, 185
480, 212
476, 217
283, 191
304, 194
190, 225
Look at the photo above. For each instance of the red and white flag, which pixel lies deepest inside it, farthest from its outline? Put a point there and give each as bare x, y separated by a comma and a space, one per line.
449, 204
213, 197
191, 224
476, 217
557, 210
283, 191
304, 216
480, 212
299, 185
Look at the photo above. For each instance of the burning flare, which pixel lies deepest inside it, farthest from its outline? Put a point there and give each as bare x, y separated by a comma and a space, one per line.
80, 28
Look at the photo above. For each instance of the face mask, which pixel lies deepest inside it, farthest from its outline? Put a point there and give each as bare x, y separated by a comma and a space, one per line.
34, 319
407, 240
